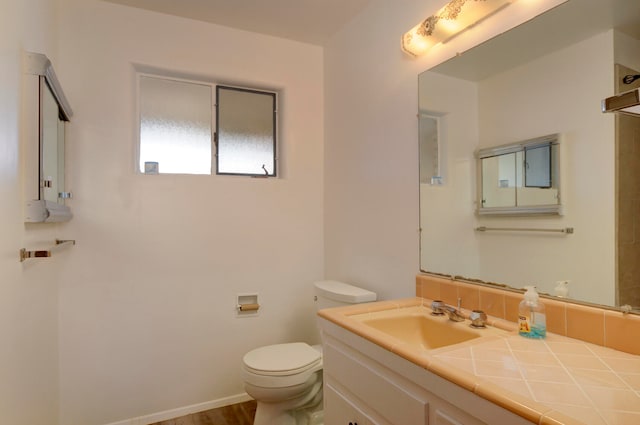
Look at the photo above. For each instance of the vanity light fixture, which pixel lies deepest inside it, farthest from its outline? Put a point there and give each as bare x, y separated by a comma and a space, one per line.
626, 103
455, 17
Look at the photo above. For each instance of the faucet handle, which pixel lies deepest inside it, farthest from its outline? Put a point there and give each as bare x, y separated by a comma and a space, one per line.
478, 319
437, 308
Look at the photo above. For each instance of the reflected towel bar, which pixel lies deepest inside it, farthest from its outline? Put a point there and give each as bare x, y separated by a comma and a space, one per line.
24, 254
566, 230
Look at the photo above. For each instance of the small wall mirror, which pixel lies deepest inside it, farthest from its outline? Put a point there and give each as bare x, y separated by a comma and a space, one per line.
520, 178
45, 164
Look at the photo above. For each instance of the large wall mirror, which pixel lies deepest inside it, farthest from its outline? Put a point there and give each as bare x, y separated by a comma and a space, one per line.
547, 76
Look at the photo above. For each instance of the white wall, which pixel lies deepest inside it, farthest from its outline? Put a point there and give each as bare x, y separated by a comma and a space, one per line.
147, 313
371, 169
627, 50
28, 300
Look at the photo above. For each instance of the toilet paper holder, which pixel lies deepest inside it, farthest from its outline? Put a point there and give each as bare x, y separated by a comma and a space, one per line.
247, 304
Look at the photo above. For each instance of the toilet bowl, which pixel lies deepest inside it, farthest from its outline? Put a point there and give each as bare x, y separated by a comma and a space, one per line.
286, 379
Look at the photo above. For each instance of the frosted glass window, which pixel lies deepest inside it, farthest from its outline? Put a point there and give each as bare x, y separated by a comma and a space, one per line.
246, 132
175, 126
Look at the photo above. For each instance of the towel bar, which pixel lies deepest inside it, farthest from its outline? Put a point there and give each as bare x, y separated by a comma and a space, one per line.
24, 254
567, 230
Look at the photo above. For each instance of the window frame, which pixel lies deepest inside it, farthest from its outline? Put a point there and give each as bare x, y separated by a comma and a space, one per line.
214, 170
216, 141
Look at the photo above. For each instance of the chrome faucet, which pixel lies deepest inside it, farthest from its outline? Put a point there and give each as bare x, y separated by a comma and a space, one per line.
439, 308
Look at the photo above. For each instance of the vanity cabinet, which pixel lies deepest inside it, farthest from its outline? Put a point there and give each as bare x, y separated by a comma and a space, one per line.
381, 397
365, 384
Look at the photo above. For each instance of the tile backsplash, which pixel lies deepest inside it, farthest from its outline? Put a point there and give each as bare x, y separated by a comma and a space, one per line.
599, 326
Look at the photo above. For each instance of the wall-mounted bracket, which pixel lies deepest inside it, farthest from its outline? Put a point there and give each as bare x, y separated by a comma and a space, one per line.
24, 254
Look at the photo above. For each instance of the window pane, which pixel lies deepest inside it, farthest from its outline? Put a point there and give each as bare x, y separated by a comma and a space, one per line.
246, 132
537, 163
429, 148
499, 181
175, 125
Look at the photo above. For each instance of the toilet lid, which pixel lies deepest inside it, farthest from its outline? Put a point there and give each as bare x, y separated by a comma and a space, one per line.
282, 359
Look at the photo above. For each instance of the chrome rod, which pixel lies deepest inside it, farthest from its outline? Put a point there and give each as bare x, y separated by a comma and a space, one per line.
566, 230
65, 241
43, 253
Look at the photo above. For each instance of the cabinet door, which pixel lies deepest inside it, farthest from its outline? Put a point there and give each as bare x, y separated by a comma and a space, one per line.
444, 419
341, 411
452, 416
388, 397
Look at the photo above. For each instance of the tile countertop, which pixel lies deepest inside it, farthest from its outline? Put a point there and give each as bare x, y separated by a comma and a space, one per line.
558, 380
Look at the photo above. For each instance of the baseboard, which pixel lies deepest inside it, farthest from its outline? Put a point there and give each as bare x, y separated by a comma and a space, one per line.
183, 411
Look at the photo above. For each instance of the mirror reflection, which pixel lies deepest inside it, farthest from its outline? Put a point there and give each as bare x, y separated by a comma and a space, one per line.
429, 149
522, 178
52, 147
547, 76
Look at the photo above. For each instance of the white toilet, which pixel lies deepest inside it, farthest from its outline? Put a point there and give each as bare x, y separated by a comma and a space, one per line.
286, 379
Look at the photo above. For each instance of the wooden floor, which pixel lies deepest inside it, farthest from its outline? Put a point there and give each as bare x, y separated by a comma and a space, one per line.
236, 414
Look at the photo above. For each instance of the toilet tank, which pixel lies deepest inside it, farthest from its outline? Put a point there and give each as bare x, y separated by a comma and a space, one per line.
332, 293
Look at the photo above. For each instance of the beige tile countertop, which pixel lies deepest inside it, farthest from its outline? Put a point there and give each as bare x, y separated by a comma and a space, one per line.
557, 380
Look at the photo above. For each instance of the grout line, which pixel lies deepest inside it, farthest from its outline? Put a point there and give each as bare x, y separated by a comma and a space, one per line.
568, 372
524, 379
629, 387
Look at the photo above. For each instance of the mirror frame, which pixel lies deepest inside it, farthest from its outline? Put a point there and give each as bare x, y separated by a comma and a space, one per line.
552, 140
41, 210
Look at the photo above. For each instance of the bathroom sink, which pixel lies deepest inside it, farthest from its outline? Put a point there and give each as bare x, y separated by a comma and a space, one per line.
418, 328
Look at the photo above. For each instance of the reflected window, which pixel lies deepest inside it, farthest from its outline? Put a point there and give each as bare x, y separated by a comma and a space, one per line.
537, 166
177, 123
499, 181
430, 153
521, 178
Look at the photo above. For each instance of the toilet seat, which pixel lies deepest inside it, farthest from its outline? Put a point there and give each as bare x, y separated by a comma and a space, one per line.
281, 365
282, 359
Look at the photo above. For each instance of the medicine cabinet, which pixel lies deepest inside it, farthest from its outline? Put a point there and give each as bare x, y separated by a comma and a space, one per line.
46, 112
521, 178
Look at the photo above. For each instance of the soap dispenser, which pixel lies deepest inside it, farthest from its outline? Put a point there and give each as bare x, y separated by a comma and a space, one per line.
562, 288
531, 316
